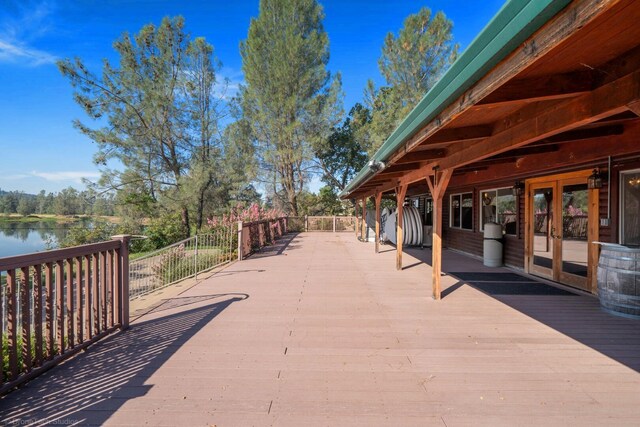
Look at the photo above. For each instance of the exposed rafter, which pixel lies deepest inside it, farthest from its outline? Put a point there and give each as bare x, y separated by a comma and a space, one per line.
542, 88
421, 156
609, 99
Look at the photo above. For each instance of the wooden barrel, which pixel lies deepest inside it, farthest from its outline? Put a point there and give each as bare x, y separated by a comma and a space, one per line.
619, 280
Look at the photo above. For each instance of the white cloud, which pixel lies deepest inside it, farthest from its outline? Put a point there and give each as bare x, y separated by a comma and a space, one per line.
228, 84
29, 21
15, 177
12, 52
66, 175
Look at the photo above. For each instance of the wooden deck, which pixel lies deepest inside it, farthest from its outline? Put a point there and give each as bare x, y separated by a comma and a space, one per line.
325, 332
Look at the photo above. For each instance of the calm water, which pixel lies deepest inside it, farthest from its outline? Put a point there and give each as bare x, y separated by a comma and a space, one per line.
22, 238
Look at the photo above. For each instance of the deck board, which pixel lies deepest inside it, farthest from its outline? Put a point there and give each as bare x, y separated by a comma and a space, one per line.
328, 333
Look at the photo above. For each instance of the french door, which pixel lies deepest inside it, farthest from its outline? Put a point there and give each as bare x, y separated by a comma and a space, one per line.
561, 224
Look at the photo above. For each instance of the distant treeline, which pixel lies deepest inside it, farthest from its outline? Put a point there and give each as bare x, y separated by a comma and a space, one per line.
66, 202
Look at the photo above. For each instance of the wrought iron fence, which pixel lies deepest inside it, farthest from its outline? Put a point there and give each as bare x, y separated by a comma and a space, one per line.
182, 260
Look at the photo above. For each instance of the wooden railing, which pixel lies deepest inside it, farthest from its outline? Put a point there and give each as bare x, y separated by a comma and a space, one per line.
257, 234
55, 303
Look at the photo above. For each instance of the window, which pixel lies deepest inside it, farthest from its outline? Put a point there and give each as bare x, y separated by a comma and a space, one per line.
499, 205
428, 212
461, 210
629, 207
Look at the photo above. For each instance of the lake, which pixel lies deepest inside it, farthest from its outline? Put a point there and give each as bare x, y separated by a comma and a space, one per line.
18, 238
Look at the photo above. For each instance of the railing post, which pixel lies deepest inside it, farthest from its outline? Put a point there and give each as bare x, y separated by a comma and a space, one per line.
240, 255
334, 223
195, 259
306, 223
124, 279
286, 224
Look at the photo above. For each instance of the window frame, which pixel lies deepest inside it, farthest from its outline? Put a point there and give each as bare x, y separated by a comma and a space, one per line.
451, 217
481, 205
621, 201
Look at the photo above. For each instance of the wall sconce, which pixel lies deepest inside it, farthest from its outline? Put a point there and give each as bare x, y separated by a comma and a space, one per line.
517, 188
595, 179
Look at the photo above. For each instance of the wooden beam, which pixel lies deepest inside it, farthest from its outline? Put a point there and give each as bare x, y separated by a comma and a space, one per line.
604, 101
579, 135
437, 187
570, 20
635, 107
378, 200
556, 86
401, 192
421, 156
445, 137
572, 154
399, 168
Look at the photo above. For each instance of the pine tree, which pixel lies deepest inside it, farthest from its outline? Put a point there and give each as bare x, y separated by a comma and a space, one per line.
289, 100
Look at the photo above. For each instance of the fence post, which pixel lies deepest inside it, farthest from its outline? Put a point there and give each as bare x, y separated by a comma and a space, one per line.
195, 260
306, 223
240, 255
286, 224
334, 223
124, 279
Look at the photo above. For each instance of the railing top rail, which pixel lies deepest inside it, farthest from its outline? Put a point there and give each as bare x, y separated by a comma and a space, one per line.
262, 221
18, 261
157, 251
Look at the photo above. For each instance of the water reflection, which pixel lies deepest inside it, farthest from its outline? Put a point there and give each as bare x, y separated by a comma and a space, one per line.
20, 238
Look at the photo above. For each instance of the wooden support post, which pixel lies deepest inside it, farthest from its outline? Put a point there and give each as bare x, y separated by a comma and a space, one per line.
334, 223
363, 225
355, 214
401, 192
378, 199
240, 254
437, 187
123, 279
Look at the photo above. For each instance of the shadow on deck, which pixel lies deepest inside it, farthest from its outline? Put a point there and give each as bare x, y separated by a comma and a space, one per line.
287, 242
91, 387
575, 315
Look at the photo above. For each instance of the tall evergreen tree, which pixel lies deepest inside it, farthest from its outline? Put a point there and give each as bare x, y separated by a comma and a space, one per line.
161, 109
288, 100
411, 62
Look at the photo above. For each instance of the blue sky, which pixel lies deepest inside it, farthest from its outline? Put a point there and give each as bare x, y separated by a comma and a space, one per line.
39, 148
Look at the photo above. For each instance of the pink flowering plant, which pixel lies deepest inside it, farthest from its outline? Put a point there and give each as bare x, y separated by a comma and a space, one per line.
253, 213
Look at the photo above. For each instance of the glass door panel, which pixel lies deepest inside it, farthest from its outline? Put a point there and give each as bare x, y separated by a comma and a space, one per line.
575, 233
561, 209
542, 220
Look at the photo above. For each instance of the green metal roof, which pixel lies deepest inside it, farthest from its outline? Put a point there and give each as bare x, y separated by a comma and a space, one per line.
514, 23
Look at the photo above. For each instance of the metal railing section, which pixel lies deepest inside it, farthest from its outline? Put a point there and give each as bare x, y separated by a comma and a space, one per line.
322, 223
182, 260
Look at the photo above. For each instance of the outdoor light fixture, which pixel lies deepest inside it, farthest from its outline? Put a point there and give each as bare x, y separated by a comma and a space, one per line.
635, 181
595, 179
517, 188
376, 165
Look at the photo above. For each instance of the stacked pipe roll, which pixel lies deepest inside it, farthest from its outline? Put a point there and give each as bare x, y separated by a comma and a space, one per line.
412, 229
